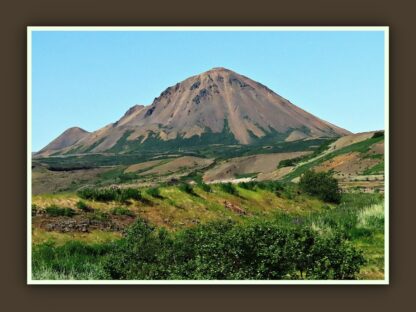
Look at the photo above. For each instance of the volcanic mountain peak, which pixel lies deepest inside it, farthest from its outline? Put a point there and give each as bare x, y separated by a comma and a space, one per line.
216, 102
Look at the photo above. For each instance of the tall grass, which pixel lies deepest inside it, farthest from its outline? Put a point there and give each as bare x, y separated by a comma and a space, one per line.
73, 260
371, 217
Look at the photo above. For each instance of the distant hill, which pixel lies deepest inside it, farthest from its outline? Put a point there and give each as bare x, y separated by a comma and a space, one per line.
68, 138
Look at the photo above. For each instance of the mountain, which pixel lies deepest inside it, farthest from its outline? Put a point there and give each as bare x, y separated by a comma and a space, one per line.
68, 138
217, 106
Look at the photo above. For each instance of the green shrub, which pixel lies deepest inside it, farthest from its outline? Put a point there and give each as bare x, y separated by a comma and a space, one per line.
378, 134
205, 187
187, 188
271, 186
154, 192
83, 206
56, 211
125, 194
251, 185
228, 188
321, 184
35, 209
121, 211
291, 162
226, 250
110, 194
99, 216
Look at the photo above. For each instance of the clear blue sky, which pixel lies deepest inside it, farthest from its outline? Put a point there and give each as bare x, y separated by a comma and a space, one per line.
89, 79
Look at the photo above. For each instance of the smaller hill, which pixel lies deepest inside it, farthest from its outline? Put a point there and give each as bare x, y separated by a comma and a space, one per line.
67, 138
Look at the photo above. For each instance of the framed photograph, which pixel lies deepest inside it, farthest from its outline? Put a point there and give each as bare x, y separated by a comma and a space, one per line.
208, 155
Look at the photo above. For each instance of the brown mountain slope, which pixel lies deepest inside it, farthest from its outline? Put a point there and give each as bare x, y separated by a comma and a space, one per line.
68, 138
207, 103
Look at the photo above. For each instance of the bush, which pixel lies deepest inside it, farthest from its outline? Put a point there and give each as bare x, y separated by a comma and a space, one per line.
141, 254
321, 184
226, 250
35, 209
125, 194
271, 186
228, 188
83, 206
99, 216
251, 185
110, 194
378, 134
55, 211
121, 211
154, 192
187, 188
205, 187
291, 162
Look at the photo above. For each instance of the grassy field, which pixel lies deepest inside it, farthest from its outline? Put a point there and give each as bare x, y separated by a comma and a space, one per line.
150, 216
175, 208
175, 214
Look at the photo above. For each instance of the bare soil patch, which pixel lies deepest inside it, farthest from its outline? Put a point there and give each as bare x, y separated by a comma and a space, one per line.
347, 164
46, 181
143, 166
179, 164
261, 163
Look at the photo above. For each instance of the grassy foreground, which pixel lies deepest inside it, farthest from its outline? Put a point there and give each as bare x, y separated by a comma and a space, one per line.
305, 239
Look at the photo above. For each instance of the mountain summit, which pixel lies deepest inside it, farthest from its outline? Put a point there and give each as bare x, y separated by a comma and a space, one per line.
218, 106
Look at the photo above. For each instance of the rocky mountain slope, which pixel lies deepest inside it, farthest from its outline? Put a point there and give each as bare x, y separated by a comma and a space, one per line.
68, 138
217, 106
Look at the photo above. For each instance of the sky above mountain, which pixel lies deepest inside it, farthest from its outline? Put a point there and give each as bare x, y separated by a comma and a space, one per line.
90, 79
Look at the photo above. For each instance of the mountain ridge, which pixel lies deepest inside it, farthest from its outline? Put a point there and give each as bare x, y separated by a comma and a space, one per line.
208, 104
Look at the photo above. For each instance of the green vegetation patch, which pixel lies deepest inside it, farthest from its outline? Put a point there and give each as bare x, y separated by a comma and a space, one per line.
376, 169
321, 184
246, 175
205, 187
187, 188
344, 241
154, 192
111, 194
73, 260
215, 251
83, 206
56, 211
99, 216
154, 143
228, 188
122, 211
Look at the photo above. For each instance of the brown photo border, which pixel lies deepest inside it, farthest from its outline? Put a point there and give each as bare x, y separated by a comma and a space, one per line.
19, 14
